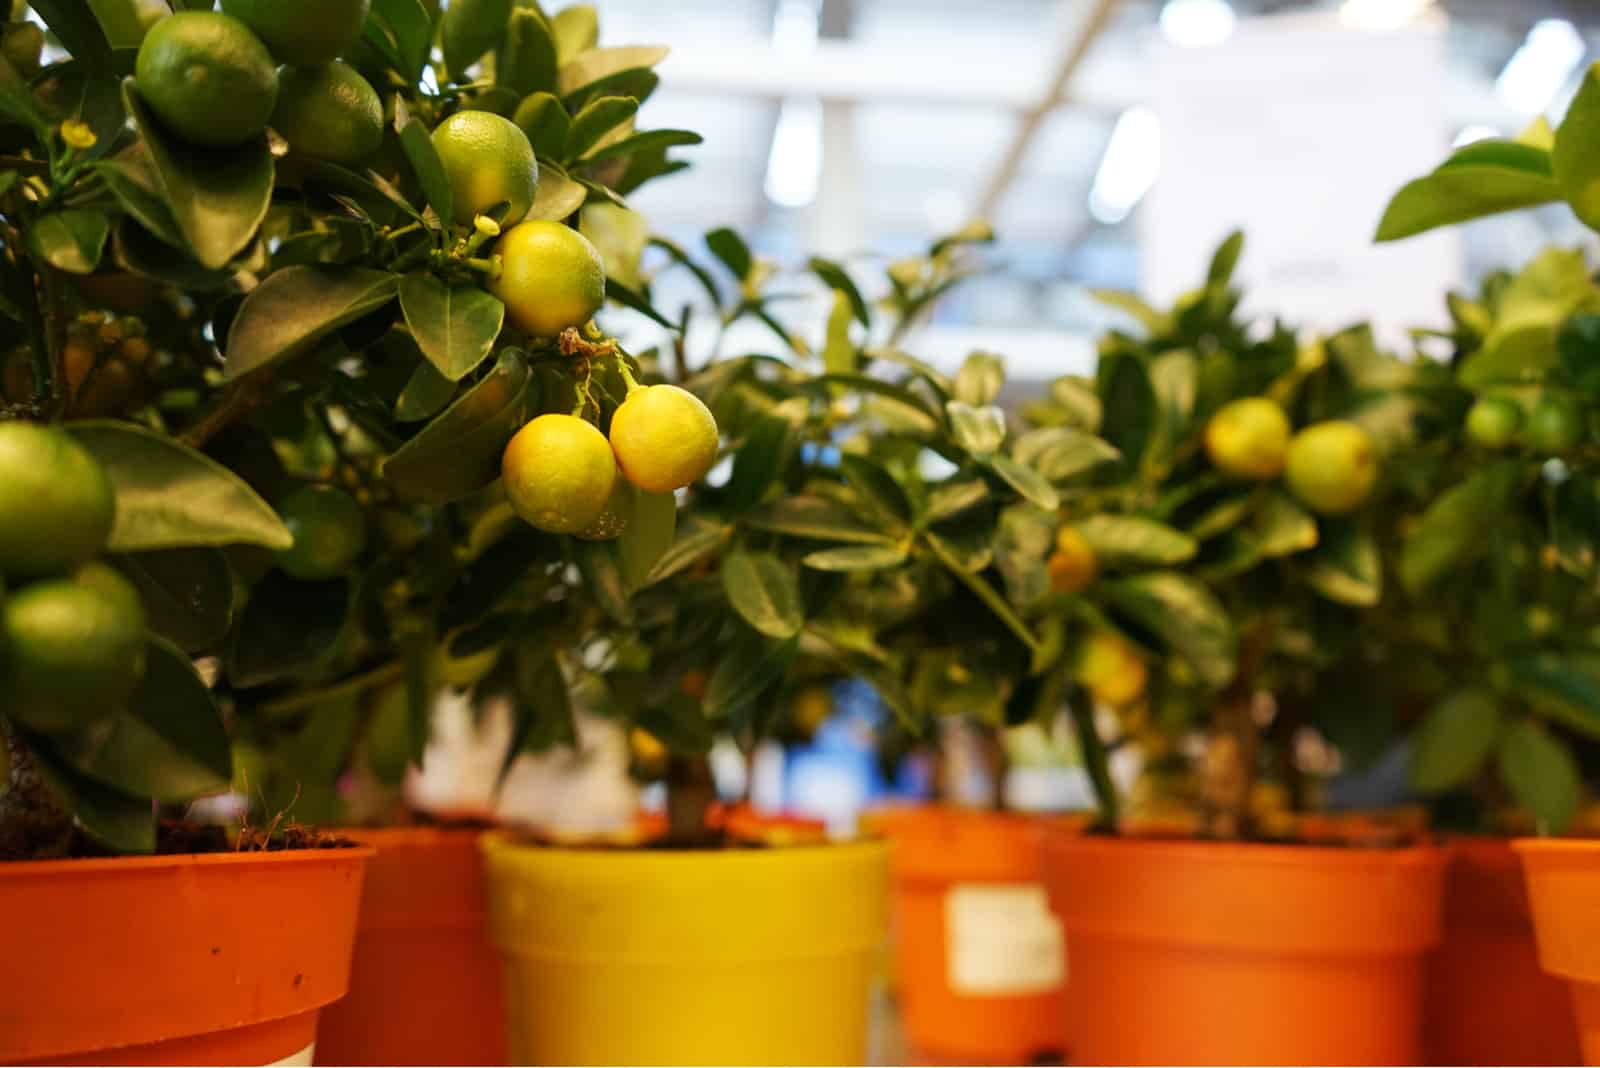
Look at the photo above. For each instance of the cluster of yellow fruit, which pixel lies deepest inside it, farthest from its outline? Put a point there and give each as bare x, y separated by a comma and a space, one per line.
213, 77
563, 475
1330, 467
72, 628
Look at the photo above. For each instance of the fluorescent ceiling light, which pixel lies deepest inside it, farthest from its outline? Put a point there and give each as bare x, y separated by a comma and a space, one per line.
1130, 166
794, 166
1537, 71
1197, 23
1381, 14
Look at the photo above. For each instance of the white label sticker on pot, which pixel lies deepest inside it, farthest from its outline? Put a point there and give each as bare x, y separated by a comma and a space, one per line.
298, 1059
1003, 940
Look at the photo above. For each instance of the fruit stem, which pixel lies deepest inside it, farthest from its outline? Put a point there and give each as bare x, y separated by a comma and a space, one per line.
490, 266
627, 376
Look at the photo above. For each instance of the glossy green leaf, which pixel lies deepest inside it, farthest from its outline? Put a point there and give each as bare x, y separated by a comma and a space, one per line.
1562, 687
1542, 774
757, 463
856, 558
1185, 615
218, 197
470, 28
1060, 453
417, 145
599, 63
1129, 401
545, 121
1034, 487
980, 379
1121, 540
730, 248
1346, 567
745, 671
78, 28
298, 307
839, 355
597, 119
76, 90
459, 452
650, 533
980, 431
132, 179
1281, 527
1458, 194
169, 744
71, 240
575, 28
877, 491
455, 324
1452, 532
1454, 740
402, 33
1523, 344
835, 277
765, 593
1577, 164
1225, 260
557, 196
1133, 306
527, 60
425, 395
816, 518
139, 252
621, 294
954, 496
696, 539
187, 594
169, 496
126, 824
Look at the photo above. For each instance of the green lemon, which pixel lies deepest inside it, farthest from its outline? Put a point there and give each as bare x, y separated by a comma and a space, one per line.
72, 653
1493, 422
487, 160
330, 533
303, 32
1332, 467
1555, 424
57, 505
328, 112
207, 77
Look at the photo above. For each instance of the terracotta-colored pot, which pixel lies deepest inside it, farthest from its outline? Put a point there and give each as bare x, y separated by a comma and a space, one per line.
1190, 952
980, 960
1563, 877
1487, 1000
425, 985
223, 958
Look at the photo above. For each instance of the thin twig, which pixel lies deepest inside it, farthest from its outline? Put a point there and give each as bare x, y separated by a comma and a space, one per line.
238, 399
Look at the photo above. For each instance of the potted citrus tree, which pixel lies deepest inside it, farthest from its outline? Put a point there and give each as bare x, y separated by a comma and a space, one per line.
1257, 456
1510, 722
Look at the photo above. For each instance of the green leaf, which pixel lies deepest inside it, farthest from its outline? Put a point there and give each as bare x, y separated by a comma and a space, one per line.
765, 593
74, 90
126, 824
603, 578
455, 325
459, 452
132, 180
1561, 687
1185, 615
649, 535
839, 352
168, 744
1454, 740
757, 463
730, 248
648, 141
835, 277
1458, 194
856, 558
1132, 305
218, 197
1453, 530
187, 594
576, 29
596, 119
980, 379
417, 145
71, 240
1095, 757
599, 63
1281, 527
953, 496
745, 672
1119, 540
557, 195
1223, 262
1542, 775
697, 538
527, 61
985, 593
402, 33
1033, 486
425, 395
298, 307
1129, 401
1346, 567
619, 293
877, 490
817, 518
287, 626
1532, 308
170, 496
621, 235
74, 23
545, 121
1059, 452
980, 431
468, 29
137, 251
1577, 164
891, 400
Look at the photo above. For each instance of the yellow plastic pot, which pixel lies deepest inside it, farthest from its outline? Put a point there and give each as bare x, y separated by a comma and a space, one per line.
741, 956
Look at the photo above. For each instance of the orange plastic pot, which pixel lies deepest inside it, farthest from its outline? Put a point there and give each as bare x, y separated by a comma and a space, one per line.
979, 958
1222, 953
1563, 877
220, 958
425, 984
1487, 1000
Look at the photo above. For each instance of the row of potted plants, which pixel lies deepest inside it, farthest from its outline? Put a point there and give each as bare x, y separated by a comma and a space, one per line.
336, 433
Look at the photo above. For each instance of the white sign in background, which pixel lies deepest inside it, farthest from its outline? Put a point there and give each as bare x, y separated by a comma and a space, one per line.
1298, 130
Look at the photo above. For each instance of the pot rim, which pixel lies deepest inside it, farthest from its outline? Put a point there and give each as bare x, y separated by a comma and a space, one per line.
1271, 854
144, 861
505, 839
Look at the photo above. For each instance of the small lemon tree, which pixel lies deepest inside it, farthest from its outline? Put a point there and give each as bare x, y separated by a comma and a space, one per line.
314, 267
